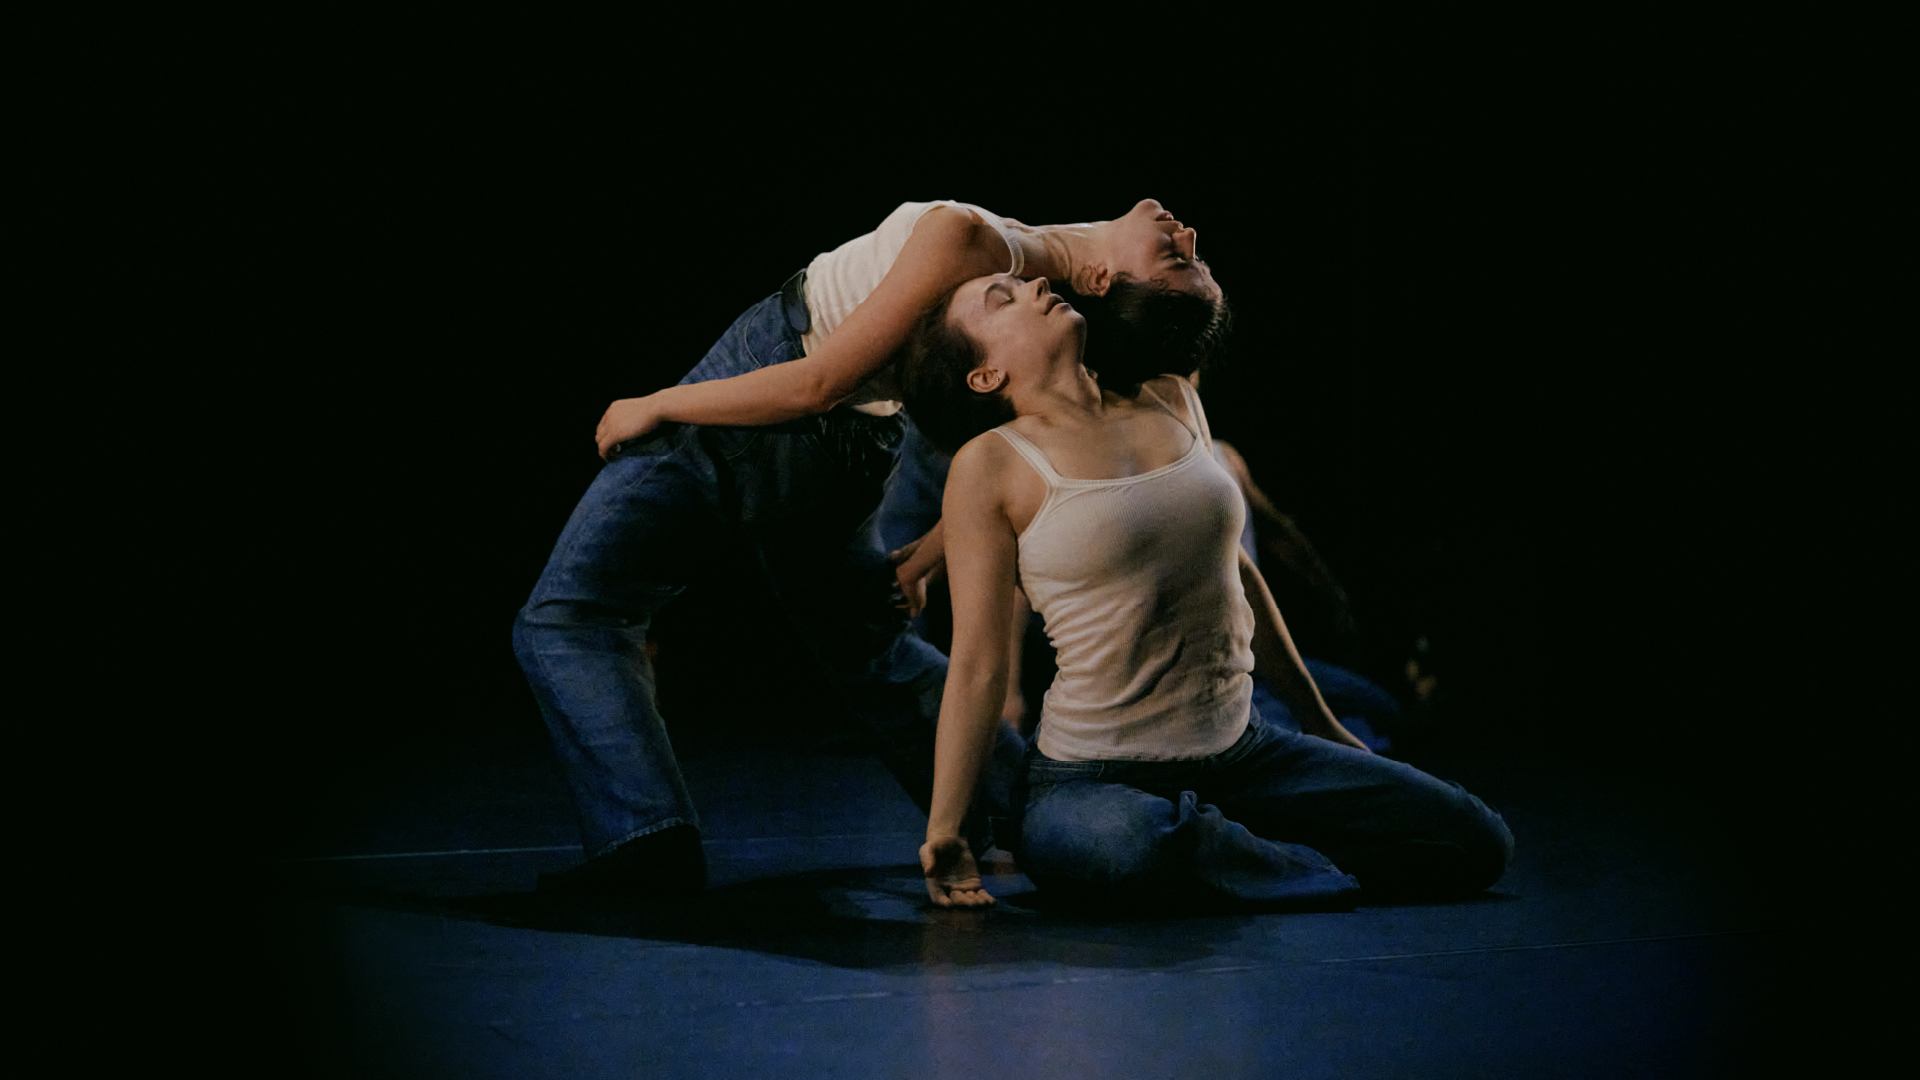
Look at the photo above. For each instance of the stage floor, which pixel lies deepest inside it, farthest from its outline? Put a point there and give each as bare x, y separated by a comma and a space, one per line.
1621, 943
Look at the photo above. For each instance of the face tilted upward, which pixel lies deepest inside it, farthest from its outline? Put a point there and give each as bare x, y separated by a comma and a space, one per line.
1016, 322
1150, 244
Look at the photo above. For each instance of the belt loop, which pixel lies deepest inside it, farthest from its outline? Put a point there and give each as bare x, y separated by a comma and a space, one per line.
793, 300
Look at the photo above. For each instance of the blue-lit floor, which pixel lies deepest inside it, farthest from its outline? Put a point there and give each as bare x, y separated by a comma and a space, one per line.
1616, 946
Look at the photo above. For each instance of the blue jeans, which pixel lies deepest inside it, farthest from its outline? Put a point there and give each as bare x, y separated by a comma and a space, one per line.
641, 532
1366, 709
1277, 817
914, 493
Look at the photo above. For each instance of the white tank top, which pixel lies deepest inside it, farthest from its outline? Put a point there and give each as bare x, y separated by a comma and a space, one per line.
838, 280
1139, 584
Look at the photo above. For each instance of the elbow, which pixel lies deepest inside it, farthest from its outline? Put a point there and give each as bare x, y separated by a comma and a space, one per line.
986, 681
977, 687
818, 395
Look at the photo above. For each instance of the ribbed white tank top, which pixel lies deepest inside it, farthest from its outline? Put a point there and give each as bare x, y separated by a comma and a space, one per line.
838, 280
1139, 584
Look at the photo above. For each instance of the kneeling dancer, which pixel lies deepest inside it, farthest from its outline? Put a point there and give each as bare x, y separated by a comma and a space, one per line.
1151, 779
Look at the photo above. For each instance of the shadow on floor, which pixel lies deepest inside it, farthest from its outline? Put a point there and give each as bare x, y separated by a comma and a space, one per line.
873, 917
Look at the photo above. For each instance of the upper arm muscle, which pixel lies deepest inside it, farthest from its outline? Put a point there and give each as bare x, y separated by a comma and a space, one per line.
945, 250
981, 556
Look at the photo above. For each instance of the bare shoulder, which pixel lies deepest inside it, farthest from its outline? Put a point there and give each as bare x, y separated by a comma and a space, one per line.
956, 228
990, 476
975, 481
982, 461
949, 220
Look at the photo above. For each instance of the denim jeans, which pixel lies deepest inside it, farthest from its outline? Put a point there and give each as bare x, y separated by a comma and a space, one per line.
1361, 704
911, 506
644, 529
1277, 817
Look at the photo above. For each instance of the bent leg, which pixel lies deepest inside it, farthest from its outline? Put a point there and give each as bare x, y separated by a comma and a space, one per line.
1117, 844
911, 505
635, 539
1397, 829
628, 549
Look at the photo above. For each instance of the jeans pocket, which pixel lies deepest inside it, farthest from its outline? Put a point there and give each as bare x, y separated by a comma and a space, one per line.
732, 444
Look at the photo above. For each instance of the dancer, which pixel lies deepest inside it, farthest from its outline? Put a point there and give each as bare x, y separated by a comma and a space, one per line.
686, 475
1150, 779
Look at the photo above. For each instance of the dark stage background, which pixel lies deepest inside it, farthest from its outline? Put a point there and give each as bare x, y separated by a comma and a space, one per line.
1495, 353
1502, 338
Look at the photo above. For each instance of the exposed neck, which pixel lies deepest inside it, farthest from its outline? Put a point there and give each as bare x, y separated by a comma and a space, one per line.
1062, 393
1072, 254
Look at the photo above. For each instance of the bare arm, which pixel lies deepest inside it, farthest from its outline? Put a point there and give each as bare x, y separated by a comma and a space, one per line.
981, 549
948, 247
1275, 657
920, 564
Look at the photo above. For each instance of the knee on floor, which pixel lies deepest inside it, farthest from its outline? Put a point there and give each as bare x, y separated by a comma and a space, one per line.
1485, 842
1081, 846
1469, 853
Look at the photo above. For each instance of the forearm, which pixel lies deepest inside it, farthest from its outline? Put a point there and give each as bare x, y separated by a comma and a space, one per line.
969, 714
981, 551
929, 555
767, 396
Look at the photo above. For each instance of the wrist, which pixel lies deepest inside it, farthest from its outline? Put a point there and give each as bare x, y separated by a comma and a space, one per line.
937, 832
657, 402
919, 564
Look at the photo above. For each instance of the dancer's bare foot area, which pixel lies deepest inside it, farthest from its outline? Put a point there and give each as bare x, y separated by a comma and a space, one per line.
953, 878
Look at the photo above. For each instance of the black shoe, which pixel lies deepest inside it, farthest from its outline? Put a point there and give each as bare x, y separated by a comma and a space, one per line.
669, 864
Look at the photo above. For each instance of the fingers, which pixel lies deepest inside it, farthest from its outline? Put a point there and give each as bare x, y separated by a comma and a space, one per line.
958, 893
912, 593
952, 879
971, 897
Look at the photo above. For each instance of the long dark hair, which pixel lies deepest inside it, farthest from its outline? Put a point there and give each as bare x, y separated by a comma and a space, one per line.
933, 382
1141, 329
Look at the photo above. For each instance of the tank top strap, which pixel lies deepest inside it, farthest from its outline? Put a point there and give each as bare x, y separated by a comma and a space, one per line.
1033, 455
1199, 425
1193, 409
1162, 402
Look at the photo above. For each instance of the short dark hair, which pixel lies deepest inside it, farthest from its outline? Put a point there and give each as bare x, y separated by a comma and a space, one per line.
1141, 329
933, 382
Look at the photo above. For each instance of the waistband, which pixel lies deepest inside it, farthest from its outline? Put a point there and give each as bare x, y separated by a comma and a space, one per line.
793, 301
1041, 769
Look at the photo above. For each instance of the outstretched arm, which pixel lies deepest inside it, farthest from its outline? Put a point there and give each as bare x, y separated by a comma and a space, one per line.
981, 549
948, 247
1275, 657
